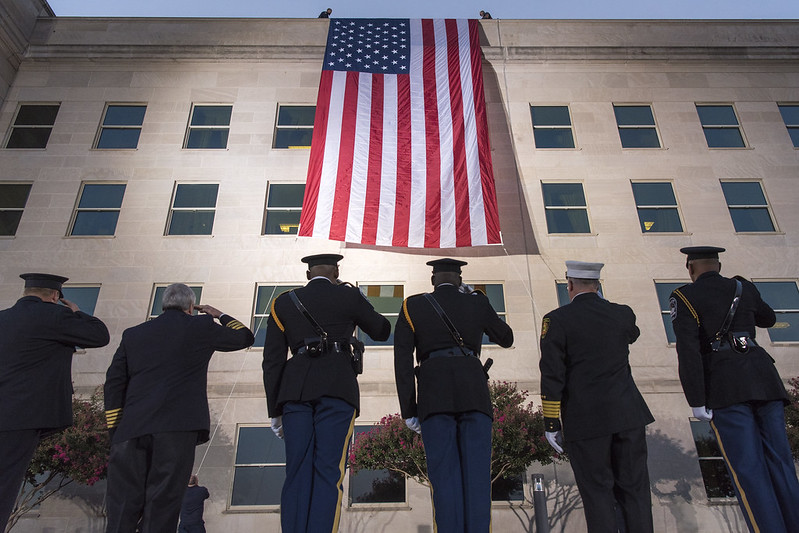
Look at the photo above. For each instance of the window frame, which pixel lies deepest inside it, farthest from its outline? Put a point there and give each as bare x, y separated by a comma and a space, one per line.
790, 127
77, 209
583, 207
164, 285
173, 209
279, 126
653, 126
14, 126
229, 500
777, 310
281, 287
706, 127
372, 506
101, 127
267, 209
570, 127
675, 207
21, 210
767, 206
190, 127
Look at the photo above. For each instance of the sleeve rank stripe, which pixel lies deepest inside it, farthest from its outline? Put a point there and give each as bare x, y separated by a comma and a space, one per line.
687, 303
235, 324
407, 315
551, 408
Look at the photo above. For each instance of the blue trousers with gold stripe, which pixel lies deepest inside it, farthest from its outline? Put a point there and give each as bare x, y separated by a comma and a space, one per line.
317, 436
458, 449
755, 447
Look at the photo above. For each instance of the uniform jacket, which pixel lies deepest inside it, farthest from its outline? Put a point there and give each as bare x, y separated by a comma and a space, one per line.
585, 365
157, 379
37, 340
723, 378
338, 309
446, 384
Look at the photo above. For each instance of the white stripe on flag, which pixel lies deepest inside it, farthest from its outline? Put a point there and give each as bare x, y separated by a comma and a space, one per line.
360, 160
445, 140
327, 183
416, 225
388, 179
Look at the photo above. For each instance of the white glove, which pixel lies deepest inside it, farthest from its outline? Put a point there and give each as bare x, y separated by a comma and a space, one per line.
703, 413
277, 427
554, 438
413, 423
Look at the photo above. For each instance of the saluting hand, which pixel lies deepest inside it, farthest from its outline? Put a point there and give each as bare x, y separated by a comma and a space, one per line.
71, 305
209, 310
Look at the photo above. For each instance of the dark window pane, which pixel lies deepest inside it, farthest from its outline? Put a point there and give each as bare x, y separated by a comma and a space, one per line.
563, 194
754, 219
563, 294
550, 116
786, 329
716, 115
705, 439
639, 138
790, 114
158, 299
211, 115
553, 138
794, 133
743, 193
196, 195
207, 138
659, 220
779, 294
36, 115
508, 489
716, 478
296, 115
95, 223
267, 293
102, 196
29, 138
282, 222
724, 138
257, 485
124, 115
664, 291
288, 195
259, 445
634, 115
660, 193
495, 294
191, 223
14, 195
84, 297
119, 138
9, 222
567, 221
377, 486
292, 138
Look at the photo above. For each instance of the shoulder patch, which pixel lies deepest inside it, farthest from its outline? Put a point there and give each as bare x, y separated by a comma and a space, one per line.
545, 327
673, 308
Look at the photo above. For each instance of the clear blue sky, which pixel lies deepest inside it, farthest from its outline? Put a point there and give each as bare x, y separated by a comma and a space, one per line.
509, 9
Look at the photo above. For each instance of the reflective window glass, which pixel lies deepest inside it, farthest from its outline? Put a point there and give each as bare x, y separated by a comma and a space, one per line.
32, 126
264, 294
552, 127
657, 207
294, 128
283, 208
783, 297
375, 486
748, 207
13, 197
209, 127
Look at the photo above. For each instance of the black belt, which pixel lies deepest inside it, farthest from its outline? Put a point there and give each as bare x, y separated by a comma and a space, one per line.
451, 352
336, 346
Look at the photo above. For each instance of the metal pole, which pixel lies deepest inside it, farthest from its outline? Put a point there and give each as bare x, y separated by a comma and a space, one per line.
540, 504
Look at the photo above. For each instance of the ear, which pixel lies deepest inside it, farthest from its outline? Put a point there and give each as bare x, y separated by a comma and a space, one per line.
308, 274
719, 266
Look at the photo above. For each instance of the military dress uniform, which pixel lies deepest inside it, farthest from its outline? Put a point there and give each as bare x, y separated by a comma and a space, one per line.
586, 380
157, 411
316, 393
451, 398
37, 340
743, 390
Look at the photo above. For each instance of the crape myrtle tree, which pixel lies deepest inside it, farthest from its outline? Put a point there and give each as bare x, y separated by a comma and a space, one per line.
77, 454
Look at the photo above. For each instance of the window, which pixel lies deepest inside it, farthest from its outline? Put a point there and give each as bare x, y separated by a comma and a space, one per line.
510, 489
264, 294
783, 297
552, 126
156, 307
121, 126
13, 197
283, 208
496, 296
636, 126
748, 206
193, 209
711, 463
720, 126
657, 207
97, 210
565, 207
790, 115
664, 290
294, 127
259, 468
562, 290
209, 127
375, 486
387, 300
32, 126
85, 297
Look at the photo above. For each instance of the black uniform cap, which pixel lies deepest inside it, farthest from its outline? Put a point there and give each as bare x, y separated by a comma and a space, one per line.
46, 281
447, 265
701, 252
322, 259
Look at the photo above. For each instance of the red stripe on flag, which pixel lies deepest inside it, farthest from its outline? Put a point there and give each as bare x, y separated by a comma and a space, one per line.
341, 198
402, 207
311, 196
432, 234
375, 166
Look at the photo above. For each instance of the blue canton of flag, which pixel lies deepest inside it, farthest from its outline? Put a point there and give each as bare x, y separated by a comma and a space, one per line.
368, 45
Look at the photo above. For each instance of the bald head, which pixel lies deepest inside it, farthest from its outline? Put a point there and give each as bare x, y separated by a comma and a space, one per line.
697, 267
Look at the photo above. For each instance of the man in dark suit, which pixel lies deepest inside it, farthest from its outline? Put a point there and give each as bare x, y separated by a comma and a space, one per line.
37, 340
325, 14
191, 510
157, 408
586, 381
452, 408
730, 381
313, 397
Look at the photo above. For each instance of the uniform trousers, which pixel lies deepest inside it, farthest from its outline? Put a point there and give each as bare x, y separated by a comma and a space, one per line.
755, 447
146, 480
317, 436
16, 450
611, 469
458, 449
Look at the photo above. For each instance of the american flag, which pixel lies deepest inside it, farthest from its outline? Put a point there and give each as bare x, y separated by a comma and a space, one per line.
400, 153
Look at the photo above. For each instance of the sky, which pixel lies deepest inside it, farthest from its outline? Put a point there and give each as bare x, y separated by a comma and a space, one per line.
499, 9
